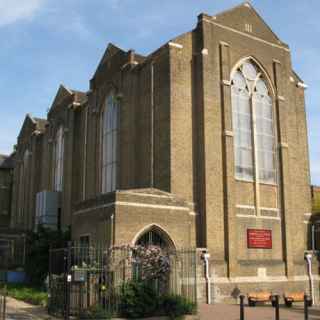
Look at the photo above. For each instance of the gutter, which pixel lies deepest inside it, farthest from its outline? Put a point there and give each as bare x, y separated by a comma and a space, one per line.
308, 258
206, 257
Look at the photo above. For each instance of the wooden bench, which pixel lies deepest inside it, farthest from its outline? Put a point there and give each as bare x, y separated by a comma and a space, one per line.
291, 297
254, 297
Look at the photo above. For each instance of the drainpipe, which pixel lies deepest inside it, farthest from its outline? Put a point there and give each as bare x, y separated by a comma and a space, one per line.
308, 257
206, 257
152, 124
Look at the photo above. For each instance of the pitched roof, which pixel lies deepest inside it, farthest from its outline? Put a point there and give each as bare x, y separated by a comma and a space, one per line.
110, 51
79, 96
6, 162
40, 123
245, 10
64, 92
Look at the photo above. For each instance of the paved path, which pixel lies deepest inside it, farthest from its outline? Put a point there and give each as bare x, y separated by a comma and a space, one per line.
18, 310
231, 312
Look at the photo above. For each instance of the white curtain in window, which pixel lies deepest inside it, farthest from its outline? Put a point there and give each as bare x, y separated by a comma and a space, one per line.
109, 145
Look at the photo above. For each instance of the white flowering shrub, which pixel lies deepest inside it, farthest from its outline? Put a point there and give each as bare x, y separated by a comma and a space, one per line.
150, 262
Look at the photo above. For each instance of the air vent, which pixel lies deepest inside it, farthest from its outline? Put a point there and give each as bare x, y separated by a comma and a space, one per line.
248, 27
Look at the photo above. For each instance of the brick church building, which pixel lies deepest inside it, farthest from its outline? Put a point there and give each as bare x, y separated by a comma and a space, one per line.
202, 143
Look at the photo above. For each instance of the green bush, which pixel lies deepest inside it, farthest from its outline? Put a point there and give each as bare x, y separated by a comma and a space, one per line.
138, 299
176, 306
29, 294
38, 245
95, 312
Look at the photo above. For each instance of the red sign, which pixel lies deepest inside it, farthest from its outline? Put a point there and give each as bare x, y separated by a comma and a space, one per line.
259, 239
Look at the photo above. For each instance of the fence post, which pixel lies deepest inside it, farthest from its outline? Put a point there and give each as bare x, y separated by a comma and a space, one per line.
241, 307
67, 267
5, 302
69, 278
65, 258
275, 302
306, 306
3, 293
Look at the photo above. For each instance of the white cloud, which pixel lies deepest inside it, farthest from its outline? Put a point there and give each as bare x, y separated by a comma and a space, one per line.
16, 10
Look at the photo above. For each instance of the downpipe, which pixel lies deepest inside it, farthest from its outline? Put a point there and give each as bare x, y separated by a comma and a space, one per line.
206, 257
308, 258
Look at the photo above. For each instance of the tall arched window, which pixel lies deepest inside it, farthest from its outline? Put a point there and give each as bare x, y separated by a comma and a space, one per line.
109, 129
253, 125
58, 159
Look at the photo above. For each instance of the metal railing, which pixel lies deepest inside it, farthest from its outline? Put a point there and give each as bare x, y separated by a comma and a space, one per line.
3, 295
12, 253
276, 305
81, 277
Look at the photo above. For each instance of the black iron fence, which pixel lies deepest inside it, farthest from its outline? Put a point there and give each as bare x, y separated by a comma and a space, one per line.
81, 277
3, 294
12, 253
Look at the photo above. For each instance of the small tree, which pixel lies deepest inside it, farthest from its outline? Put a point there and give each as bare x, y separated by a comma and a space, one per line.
37, 252
148, 263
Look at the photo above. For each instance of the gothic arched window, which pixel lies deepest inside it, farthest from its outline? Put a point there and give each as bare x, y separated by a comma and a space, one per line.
155, 236
253, 125
58, 159
109, 129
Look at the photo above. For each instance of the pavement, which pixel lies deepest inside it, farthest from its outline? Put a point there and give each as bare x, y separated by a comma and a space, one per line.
263, 312
18, 310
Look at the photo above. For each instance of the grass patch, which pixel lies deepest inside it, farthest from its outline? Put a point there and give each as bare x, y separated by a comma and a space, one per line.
27, 293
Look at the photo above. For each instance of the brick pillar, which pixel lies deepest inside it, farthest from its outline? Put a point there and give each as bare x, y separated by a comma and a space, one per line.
284, 170
68, 167
34, 176
210, 158
228, 161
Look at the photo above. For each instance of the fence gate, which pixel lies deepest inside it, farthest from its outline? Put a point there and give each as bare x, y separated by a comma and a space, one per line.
57, 297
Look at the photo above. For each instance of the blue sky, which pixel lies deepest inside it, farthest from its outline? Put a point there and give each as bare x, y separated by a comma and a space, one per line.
48, 42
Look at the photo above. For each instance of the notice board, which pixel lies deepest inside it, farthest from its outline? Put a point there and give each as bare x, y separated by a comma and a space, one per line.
259, 239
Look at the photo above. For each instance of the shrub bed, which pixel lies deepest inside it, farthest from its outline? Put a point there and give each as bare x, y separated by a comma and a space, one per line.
138, 299
29, 294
